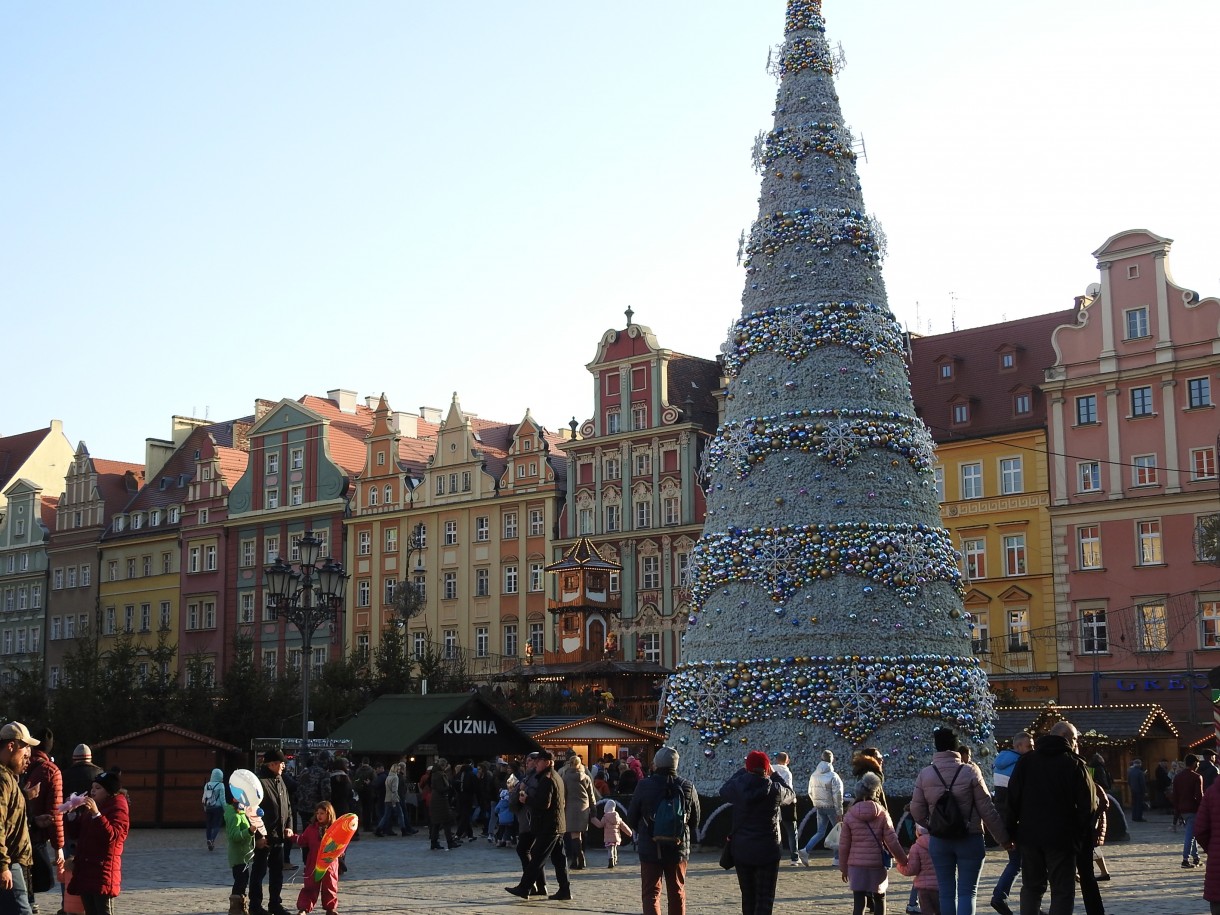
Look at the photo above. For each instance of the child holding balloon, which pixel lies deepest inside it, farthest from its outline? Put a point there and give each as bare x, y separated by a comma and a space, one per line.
311, 840
239, 833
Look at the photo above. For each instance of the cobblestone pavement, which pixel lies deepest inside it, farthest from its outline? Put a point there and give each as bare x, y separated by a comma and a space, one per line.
171, 872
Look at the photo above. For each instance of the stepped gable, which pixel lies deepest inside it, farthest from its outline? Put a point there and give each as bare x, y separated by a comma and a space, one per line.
973, 357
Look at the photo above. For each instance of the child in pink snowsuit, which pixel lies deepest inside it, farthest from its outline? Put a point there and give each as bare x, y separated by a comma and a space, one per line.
311, 841
919, 866
613, 830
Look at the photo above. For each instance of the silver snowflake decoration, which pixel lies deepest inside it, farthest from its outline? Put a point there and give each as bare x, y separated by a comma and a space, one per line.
760, 145
857, 695
709, 697
923, 446
880, 241
729, 347
733, 445
776, 562
840, 444
788, 332
910, 558
880, 327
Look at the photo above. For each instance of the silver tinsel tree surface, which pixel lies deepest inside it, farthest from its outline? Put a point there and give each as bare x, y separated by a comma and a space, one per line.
828, 598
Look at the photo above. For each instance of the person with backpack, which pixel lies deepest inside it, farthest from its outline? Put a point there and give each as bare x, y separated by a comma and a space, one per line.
662, 811
952, 802
214, 807
757, 793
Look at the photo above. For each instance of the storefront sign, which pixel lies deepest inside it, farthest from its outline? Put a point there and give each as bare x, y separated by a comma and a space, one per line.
469, 726
1161, 684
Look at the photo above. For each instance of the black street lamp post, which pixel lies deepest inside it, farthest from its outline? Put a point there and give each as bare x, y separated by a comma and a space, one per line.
306, 595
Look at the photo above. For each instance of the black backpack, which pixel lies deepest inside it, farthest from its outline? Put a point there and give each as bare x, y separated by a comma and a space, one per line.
946, 820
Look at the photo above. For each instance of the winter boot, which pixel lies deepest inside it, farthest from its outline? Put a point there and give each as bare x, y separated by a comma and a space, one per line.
238, 904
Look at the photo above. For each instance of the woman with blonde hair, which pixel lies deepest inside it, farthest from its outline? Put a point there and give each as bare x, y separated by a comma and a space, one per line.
579, 800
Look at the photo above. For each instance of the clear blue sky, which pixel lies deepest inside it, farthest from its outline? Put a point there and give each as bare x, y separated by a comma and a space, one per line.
201, 204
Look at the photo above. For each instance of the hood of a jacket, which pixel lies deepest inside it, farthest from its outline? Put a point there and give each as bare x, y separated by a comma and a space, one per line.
1051, 745
217, 776
824, 768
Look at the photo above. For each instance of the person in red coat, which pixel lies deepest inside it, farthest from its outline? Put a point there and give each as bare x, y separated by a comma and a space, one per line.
1207, 834
1187, 795
99, 826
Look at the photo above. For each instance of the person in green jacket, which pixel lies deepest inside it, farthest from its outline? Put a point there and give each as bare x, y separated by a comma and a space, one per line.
240, 835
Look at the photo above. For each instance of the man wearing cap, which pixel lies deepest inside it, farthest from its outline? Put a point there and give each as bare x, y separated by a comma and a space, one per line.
16, 853
667, 861
519, 793
268, 849
545, 802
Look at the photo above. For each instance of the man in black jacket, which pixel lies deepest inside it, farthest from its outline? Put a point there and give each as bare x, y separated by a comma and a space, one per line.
1052, 809
545, 800
269, 849
666, 860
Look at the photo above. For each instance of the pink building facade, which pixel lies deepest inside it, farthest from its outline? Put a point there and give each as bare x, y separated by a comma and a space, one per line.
1132, 434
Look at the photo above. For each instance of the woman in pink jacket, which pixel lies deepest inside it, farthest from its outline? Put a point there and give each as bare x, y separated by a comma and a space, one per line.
866, 828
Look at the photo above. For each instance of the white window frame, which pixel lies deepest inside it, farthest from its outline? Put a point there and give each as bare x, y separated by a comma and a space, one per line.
971, 476
1012, 476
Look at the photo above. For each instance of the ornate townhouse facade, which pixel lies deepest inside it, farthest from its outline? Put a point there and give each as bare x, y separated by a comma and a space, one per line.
977, 390
25, 531
633, 482
1133, 431
94, 489
465, 511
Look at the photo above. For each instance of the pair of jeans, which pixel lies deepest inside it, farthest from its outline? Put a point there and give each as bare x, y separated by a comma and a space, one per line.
1043, 866
958, 863
1137, 806
1003, 886
826, 822
674, 875
214, 822
1190, 848
268, 862
757, 885
17, 900
392, 814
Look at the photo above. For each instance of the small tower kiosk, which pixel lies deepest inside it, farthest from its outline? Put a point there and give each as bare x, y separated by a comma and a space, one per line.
585, 604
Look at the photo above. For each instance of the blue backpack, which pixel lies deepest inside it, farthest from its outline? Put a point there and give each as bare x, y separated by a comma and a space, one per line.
669, 818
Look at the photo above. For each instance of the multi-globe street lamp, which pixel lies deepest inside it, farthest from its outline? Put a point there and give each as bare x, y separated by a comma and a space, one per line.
306, 594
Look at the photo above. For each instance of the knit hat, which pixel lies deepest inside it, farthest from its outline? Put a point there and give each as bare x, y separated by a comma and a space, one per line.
82, 751
757, 761
109, 780
665, 758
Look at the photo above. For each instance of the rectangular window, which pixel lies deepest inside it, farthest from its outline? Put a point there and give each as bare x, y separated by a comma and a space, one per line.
451, 589
391, 540
584, 521
192, 616
273, 462
669, 507
209, 558
296, 459
450, 637
167, 563
975, 553
419, 644
614, 469
56, 628
420, 537
535, 576
86, 575
639, 417
1018, 629
70, 627
248, 551
482, 642
537, 637
113, 568
648, 648
146, 563
614, 582
1143, 470
535, 522
510, 525
388, 587
980, 634
1202, 463
1205, 544
938, 478
972, 481
246, 607
36, 596
1012, 476
1136, 320
450, 533
296, 494
1014, 554
72, 577
510, 579
364, 593
643, 514
482, 529
1209, 623
613, 422
273, 498
650, 572
1141, 401
209, 614
163, 622
1094, 634
510, 640
364, 543
613, 518
1198, 392
440, 484
57, 580
1086, 410
453, 486
1088, 476
482, 582
1148, 536
111, 621
961, 413
270, 668
1152, 624
1022, 404
682, 567
643, 463
146, 617
1088, 540
131, 568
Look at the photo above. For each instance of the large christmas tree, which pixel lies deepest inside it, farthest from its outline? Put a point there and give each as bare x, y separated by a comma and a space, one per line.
828, 599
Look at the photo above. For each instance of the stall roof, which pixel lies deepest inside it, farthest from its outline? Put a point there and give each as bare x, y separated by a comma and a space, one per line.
1116, 722
395, 724
601, 668
550, 728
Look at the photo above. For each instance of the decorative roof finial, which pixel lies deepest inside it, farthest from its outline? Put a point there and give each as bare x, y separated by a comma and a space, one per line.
630, 315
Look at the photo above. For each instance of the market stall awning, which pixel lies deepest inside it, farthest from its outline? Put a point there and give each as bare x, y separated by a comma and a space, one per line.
446, 724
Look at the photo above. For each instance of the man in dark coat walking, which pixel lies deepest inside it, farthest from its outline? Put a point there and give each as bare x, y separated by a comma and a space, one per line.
1052, 808
269, 849
545, 802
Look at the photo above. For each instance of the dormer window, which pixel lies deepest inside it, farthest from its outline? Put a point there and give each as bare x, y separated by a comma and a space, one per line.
137, 521
960, 412
1007, 355
118, 523
946, 369
154, 517
173, 515
1022, 404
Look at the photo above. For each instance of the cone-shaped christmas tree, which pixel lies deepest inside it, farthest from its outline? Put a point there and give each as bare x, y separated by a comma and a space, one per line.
828, 599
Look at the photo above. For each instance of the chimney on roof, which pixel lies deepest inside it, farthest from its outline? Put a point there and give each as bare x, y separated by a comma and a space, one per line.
157, 452
183, 426
345, 399
372, 400
241, 435
262, 408
431, 414
405, 424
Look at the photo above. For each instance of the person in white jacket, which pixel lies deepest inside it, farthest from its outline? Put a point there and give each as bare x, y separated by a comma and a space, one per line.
826, 793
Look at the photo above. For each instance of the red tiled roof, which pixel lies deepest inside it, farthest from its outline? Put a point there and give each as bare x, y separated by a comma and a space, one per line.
232, 464
694, 379
347, 431
978, 378
15, 450
112, 482
46, 508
